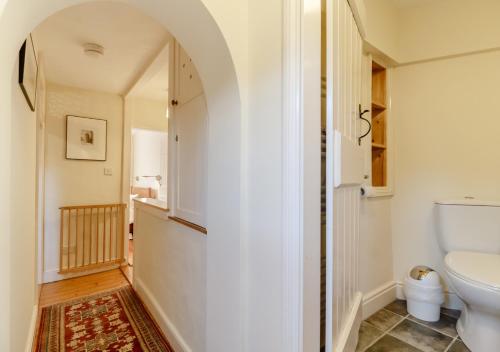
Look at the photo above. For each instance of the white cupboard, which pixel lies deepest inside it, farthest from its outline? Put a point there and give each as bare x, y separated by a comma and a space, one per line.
188, 128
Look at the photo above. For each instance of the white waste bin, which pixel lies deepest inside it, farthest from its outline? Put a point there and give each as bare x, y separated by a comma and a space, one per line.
424, 293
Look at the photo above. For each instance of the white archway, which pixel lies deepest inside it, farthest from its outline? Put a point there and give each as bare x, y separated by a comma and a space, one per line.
192, 24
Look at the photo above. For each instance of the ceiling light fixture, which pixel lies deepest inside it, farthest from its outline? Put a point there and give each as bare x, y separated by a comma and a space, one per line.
93, 50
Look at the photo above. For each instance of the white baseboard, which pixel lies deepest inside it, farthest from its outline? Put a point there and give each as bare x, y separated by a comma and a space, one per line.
348, 337
451, 300
53, 275
31, 331
173, 335
378, 298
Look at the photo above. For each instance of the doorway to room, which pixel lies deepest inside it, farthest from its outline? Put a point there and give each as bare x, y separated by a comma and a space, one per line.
149, 161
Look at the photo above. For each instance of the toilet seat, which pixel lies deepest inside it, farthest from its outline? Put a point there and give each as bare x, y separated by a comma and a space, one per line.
480, 269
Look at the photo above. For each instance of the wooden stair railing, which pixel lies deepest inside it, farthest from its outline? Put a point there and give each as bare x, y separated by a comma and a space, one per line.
91, 236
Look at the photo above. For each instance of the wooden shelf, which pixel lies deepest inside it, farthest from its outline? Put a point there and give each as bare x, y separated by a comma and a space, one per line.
379, 125
376, 67
378, 106
378, 146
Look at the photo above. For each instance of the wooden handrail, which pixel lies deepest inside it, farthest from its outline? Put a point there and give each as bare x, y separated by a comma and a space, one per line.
100, 206
154, 203
91, 236
189, 224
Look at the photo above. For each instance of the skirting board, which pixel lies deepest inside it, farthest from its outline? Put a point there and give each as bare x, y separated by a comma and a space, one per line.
31, 331
378, 298
172, 334
348, 338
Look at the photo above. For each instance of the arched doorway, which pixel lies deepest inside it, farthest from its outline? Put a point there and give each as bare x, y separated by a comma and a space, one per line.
193, 25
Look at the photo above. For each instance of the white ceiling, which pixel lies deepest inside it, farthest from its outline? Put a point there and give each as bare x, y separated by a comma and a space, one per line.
157, 87
130, 40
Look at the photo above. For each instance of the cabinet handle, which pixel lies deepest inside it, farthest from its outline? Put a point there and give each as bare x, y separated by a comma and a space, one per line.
174, 102
361, 113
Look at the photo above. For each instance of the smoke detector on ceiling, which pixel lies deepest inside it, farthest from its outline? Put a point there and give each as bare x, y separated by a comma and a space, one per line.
93, 50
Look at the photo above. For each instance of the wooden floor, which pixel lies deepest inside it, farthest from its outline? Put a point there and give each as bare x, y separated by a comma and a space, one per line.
128, 270
131, 252
66, 290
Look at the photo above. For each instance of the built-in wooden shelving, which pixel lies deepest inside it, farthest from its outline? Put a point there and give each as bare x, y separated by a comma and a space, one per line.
378, 146
378, 105
379, 125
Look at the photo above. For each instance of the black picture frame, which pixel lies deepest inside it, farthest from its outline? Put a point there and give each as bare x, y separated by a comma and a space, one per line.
27, 55
67, 153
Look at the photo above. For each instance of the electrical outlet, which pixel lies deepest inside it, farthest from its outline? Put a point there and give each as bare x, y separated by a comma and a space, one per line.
108, 171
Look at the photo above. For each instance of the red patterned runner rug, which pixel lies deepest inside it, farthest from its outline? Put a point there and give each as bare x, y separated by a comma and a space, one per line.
111, 321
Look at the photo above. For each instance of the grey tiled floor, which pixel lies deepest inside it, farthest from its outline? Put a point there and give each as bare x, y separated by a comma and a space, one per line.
392, 329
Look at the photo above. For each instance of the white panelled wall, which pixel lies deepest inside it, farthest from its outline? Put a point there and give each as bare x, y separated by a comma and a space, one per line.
344, 96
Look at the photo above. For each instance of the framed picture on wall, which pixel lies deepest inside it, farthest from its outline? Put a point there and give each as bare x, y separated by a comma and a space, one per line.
86, 138
28, 71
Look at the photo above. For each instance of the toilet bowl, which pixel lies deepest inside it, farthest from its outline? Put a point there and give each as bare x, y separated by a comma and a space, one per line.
468, 231
475, 277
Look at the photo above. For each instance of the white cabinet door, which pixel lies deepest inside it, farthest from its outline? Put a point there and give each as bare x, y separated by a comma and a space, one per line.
188, 81
191, 155
188, 141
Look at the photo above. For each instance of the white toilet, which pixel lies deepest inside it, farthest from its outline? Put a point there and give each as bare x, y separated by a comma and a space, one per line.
469, 232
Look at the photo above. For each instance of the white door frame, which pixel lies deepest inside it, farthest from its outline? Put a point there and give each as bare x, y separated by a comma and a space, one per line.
301, 174
148, 71
40, 171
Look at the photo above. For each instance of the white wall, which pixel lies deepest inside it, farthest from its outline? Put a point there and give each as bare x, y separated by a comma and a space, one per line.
263, 177
40, 167
432, 29
77, 182
148, 114
447, 146
375, 244
169, 274
447, 27
22, 202
383, 30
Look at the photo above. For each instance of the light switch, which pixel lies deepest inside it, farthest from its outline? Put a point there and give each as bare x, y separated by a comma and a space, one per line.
108, 171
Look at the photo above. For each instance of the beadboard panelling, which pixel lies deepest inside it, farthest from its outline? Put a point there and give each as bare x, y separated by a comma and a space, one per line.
344, 95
